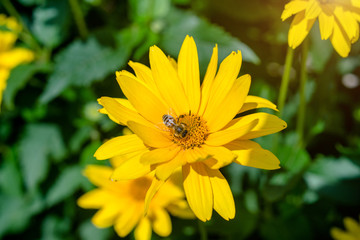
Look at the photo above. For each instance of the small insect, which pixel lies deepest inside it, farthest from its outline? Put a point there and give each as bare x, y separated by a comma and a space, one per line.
179, 129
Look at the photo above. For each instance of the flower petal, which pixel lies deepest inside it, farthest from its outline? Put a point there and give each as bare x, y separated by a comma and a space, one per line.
105, 217
143, 230
142, 98
292, 8
118, 146
162, 222
299, 29
120, 113
313, 9
208, 80
223, 198
167, 81
225, 136
267, 124
163, 171
254, 102
188, 70
16, 56
131, 168
160, 155
180, 209
198, 190
150, 136
128, 219
251, 154
346, 20
221, 86
196, 155
340, 40
221, 156
94, 199
221, 112
144, 73
153, 189
326, 22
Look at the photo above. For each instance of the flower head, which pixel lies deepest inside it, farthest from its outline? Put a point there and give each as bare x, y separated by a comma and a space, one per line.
352, 230
10, 57
179, 124
121, 204
338, 20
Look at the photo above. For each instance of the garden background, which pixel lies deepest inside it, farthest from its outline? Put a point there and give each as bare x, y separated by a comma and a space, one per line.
50, 126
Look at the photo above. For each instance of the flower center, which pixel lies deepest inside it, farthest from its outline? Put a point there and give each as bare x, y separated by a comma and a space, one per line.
187, 130
139, 187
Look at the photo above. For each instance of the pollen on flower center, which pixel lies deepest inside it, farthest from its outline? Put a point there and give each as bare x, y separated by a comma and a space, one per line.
189, 131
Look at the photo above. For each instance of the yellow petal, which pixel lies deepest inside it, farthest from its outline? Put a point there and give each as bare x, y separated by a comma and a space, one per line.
208, 80
196, 155
299, 29
225, 136
143, 230
94, 199
198, 190
105, 216
267, 124
251, 154
352, 226
167, 81
223, 198
292, 8
154, 188
180, 209
163, 171
14, 57
127, 220
254, 102
221, 157
347, 22
221, 112
144, 73
355, 3
326, 23
313, 9
340, 40
98, 175
118, 146
150, 136
142, 98
160, 155
222, 85
120, 113
339, 234
162, 222
188, 70
131, 169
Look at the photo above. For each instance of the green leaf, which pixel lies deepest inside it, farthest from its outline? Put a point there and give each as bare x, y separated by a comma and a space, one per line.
19, 76
9, 173
39, 143
82, 63
89, 231
31, 2
50, 22
180, 23
67, 183
145, 11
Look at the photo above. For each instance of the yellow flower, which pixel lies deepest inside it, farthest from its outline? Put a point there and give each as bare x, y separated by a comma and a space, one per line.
338, 20
10, 57
121, 204
178, 124
352, 233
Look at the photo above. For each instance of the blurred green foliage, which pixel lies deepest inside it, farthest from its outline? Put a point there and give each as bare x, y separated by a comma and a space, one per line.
50, 128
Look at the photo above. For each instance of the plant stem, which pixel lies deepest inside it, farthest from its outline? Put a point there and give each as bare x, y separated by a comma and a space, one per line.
302, 106
79, 18
285, 80
202, 230
28, 37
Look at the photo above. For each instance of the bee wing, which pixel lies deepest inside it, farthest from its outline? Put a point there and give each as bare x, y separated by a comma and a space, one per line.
161, 126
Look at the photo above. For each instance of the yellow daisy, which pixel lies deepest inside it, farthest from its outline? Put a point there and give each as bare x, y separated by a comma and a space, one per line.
121, 204
179, 124
10, 57
338, 20
352, 230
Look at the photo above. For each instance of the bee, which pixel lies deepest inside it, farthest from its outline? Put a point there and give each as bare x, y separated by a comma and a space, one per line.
178, 129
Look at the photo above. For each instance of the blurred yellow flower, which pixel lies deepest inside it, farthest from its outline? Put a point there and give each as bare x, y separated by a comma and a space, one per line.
352, 230
179, 125
338, 20
10, 57
121, 204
